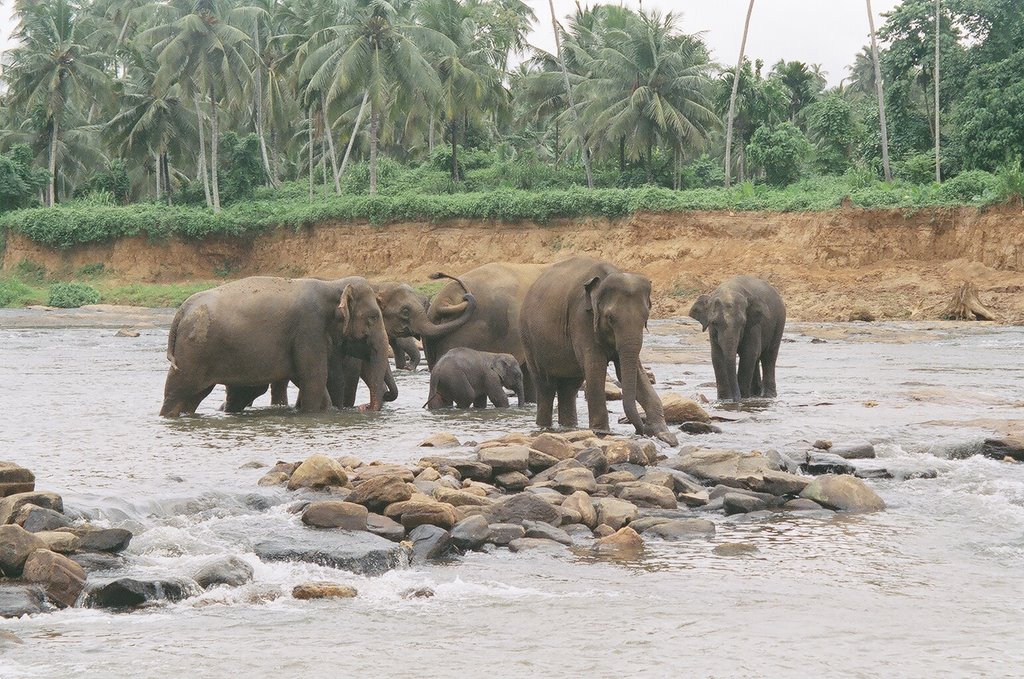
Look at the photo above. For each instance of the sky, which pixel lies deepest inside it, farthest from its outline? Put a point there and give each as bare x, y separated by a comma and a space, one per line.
826, 32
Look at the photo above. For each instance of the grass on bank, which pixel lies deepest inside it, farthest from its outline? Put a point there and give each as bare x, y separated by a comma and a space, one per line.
15, 293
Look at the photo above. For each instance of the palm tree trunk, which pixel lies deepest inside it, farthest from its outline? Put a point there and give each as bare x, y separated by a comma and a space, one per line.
214, 144
732, 98
881, 99
938, 162
309, 146
330, 144
556, 143
271, 178
51, 195
355, 131
202, 154
430, 134
159, 183
323, 160
455, 149
568, 94
167, 175
374, 124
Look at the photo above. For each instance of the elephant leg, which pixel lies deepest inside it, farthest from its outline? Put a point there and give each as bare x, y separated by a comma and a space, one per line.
768, 358
567, 392
529, 389
480, 401
597, 403
496, 392
311, 366
279, 393
192, 403
719, 363
241, 397
545, 402
755, 379
343, 380
750, 352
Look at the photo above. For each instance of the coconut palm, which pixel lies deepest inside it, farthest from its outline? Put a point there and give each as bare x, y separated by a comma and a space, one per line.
732, 99
881, 99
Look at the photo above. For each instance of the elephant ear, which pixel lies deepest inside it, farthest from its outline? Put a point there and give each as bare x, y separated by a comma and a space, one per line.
699, 312
343, 312
590, 287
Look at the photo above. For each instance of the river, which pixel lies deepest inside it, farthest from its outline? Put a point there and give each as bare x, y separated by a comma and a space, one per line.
929, 587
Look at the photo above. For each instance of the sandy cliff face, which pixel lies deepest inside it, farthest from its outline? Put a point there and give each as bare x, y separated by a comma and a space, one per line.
828, 266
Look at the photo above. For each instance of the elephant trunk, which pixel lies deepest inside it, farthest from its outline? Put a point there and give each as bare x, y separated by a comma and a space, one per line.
629, 362
426, 328
520, 394
732, 384
379, 379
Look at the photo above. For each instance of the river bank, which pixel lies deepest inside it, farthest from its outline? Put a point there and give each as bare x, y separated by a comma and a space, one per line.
837, 265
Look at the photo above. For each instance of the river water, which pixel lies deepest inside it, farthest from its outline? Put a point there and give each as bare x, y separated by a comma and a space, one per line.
930, 587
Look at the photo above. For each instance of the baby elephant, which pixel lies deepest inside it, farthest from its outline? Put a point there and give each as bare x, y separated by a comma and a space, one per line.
467, 377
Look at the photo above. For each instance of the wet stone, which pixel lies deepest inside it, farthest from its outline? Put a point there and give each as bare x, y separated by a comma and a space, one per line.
735, 549
843, 493
614, 512
433, 513
506, 458
580, 503
503, 533
603, 530
417, 593
60, 541
826, 463
377, 492
385, 527
323, 590
16, 544
539, 461
37, 519
359, 552
859, 451
273, 479
471, 533
132, 592
595, 460
698, 428
534, 544
94, 562
537, 529
512, 481
522, 507
318, 471
648, 495
556, 446
738, 503
10, 505
578, 531
18, 599
15, 479
800, 504
572, 480
113, 540
440, 440
623, 541
227, 570
61, 578
428, 543
682, 529
636, 470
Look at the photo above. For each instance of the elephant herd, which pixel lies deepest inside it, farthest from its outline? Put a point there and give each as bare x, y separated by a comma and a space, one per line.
542, 331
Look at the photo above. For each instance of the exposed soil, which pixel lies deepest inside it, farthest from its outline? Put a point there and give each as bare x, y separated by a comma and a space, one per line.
848, 263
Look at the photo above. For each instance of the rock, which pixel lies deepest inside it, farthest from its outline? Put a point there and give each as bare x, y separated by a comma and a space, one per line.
15, 479
37, 519
378, 492
323, 590
740, 503
537, 529
614, 512
822, 444
603, 530
428, 543
539, 461
93, 539
550, 473
467, 469
734, 549
10, 505
624, 540
502, 534
126, 332
94, 562
722, 491
416, 593
513, 481
648, 495
843, 493
60, 541
273, 479
697, 428
547, 494
594, 459
506, 458
461, 498
253, 464
860, 451
578, 532
417, 513
612, 478
800, 504
17, 600
554, 445
1011, 446
678, 409
428, 474
581, 503
624, 450
471, 533
359, 552
573, 480
522, 507
318, 471
16, 544
132, 592
226, 570
826, 463
698, 499
61, 578
739, 470
534, 544
682, 529
441, 440
373, 471
642, 523
385, 527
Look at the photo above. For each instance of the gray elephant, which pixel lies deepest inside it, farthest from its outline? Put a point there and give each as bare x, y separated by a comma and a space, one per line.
262, 330
406, 351
577, 317
467, 377
746, 317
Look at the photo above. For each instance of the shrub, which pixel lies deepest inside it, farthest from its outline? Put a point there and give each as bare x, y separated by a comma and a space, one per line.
72, 295
13, 292
779, 151
916, 169
1010, 180
972, 186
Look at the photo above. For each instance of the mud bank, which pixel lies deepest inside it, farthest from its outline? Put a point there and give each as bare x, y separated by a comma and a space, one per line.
835, 265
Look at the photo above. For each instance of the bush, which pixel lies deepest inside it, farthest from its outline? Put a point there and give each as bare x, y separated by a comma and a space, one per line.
72, 295
702, 173
972, 186
916, 169
779, 151
113, 183
13, 292
1010, 180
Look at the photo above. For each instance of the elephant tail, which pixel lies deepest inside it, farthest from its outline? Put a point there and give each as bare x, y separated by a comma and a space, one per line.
439, 275
172, 336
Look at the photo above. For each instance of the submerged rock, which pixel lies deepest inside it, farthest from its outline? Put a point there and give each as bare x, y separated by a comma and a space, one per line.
826, 463
132, 592
533, 544
17, 600
228, 570
539, 529
843, 493
97, 561
323, 590
682, 529
359, 552
440, 440
698, 428
623, 541
502, 534
93, 539
735, 549
1011, 446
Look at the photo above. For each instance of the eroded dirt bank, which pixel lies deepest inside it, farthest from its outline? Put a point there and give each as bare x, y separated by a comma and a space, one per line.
828, 266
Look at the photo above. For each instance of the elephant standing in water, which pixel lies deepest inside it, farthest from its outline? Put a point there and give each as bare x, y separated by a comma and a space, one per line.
499, 289
580, 314
467, 377
746, 317
256, 331
406, 351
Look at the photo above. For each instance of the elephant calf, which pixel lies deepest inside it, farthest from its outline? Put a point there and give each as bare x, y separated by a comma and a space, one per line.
467, 377
746, 317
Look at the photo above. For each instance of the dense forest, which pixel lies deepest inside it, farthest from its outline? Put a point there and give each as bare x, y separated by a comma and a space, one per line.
214, 102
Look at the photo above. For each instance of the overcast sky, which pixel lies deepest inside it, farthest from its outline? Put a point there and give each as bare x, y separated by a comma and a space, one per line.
826, 32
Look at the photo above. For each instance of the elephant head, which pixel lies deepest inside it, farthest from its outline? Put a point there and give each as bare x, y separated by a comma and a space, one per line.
511, 375
621, 304
405, 312
359, 326
725, 314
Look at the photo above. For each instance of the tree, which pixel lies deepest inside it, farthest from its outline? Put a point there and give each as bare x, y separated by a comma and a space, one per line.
780, 151
802, 83
833, 128
732, 98
569, 97
19, 183
881, 99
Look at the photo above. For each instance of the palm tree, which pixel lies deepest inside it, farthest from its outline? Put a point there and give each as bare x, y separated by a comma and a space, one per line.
881, 99
569, 96
938, 164
52, 70
732, 99
801, 82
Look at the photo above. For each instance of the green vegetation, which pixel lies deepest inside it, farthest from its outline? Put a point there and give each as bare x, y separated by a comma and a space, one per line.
72, 295
14, 292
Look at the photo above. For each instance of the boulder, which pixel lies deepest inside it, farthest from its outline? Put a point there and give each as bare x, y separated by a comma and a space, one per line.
642, 523
578, 532
660, 477
622, 542
10, 505
573, 480
15, 479
226, 570
131, 592
60, 541
61, 578
843, 493
461, 498
722, 491
417, 513
513, 481
534, 544
506, 458
612, 392
857, 451
385, 527
427, 474
648, 495
16, 544
428, 543
94, 539
273, 479
323, 590
581, 503
603, 531
738, 470
612, 478
819, 462
467, 469
318, 472
522, 507
538, 529
558, 447
377, 492
614, 512
741, 503
416, 593
549, 473
502, 534
594, 459
359, 552
94, 562
373, 471
37, 519
440, 440
678, 409
17, 600
1011, 446
682, 529
471, 533
699, 428
625, 451
539, 461
800, 504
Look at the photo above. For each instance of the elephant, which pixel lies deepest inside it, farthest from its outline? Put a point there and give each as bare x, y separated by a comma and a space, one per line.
499, 289
581, 314
264, 330
746, 316
405, 312
407, 352
468, 377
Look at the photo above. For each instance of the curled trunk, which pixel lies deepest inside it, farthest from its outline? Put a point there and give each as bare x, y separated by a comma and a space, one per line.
424, 327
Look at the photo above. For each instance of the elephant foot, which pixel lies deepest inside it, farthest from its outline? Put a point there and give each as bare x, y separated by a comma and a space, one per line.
667, 437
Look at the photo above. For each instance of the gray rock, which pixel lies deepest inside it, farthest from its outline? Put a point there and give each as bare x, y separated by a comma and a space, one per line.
429, 543
800, 504
539, 461
681, 529
522, 507
636, 470
359, 552
819, 462
10, 505
735, 549
16, 544
642, 523
721, 491
843, 493
471, 533
739, 470
17, 600
578, 531
506, 458
377, 492
467, 469
226, 570
318, 471
94, 562
503, 533
131, 592
113, 540
15, 479
333, 514
697, 428
859, 451
571, 480
512, 481
594, 459
534, 544
614, 512
739, 503
1006, 446
38, 519
611, 478
549, 473
385, 527
536, 529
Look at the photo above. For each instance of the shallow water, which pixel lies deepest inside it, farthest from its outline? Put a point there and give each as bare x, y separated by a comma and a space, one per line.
929, 587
